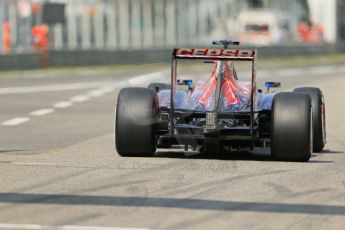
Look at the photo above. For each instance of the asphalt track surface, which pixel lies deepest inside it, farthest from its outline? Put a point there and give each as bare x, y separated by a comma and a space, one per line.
59, 168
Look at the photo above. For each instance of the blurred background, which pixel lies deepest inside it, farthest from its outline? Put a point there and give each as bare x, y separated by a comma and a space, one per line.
77, 26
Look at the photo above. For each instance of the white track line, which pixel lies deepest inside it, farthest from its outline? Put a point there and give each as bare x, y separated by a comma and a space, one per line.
31, 163
80, 98
41, 112
64, 227
57, 87
21, 226
63, 104
100, 92
96, 93
107, 89
68, 227
145, 78
16, 121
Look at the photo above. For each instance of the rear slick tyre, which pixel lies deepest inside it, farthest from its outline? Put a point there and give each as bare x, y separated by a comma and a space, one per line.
291, 127
135, 122
319, 120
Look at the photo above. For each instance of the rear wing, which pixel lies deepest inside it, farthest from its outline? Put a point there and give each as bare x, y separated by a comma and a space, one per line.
214, 54
222, 54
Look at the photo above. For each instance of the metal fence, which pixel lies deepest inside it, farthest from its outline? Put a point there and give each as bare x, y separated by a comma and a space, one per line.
135, 24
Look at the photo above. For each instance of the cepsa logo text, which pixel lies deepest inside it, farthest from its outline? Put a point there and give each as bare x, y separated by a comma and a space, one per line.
205, 52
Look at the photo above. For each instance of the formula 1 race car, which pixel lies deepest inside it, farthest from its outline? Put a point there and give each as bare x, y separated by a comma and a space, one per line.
221, 114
